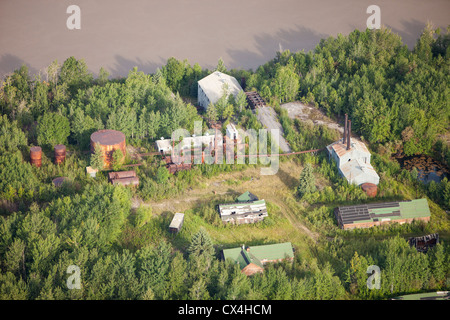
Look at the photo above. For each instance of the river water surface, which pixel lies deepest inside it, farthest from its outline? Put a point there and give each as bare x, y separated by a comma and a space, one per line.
119, 35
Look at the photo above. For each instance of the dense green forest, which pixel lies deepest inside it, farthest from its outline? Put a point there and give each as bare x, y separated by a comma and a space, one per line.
398, 100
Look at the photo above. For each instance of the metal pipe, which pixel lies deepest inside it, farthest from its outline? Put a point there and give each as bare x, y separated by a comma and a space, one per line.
345, 128
348, 134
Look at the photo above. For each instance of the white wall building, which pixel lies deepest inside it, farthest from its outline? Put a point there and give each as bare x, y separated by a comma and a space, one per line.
232, 132
354, 163
165, 145
211, 88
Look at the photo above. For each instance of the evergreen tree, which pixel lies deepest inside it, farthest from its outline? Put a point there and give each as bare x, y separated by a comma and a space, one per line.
211, 113
177, 276
103, 77
118, 159
162, 175
221, 66
241, 100
307, 181
74, 73
198, 291
97, 159
53, 128
201, 245
438, 263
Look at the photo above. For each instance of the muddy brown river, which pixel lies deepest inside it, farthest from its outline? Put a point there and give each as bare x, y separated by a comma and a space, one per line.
119, 35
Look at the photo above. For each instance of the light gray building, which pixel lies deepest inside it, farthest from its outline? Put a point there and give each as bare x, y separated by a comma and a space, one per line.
353, 159
177, 222
211, 88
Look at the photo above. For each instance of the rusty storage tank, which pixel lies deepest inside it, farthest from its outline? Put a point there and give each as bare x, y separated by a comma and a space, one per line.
60, 153
109, 141
370, 189
36, 156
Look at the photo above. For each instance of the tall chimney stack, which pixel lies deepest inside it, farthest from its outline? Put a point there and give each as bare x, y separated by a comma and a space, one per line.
345, 128
348, 134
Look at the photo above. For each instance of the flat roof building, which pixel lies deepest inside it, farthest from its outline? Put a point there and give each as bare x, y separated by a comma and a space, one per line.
375, 214
211, 88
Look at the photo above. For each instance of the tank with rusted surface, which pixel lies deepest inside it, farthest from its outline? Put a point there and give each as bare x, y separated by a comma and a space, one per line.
36, 156
133, 181
370, 189
109, 141
121, 174
60, 153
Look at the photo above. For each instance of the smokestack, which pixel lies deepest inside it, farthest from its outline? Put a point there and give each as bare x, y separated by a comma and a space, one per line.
348, 134
345, 128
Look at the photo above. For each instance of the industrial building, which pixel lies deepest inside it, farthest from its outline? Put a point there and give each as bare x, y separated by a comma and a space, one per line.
109, 141
375, 214
177, 223
251, 260
247, 209
211, 88
353, 159
166, 145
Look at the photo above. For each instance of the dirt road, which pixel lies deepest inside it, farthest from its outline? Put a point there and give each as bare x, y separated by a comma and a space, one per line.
276, 189
268, 118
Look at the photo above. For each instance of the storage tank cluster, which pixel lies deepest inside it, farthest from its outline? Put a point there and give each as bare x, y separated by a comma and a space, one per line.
36, 155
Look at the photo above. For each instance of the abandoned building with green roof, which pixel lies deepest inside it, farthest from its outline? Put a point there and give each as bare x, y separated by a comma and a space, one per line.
375, 214
251, 260
247, 209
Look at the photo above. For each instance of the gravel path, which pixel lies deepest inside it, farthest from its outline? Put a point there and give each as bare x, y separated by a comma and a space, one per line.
268, 117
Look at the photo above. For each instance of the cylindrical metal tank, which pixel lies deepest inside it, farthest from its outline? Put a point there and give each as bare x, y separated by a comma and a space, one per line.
109, 141
370, 189
60, 153
36, 156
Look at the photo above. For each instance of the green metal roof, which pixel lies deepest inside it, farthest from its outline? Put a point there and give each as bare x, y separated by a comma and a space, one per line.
371, 212
440, 295
246, 197
258, 253
415, 208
